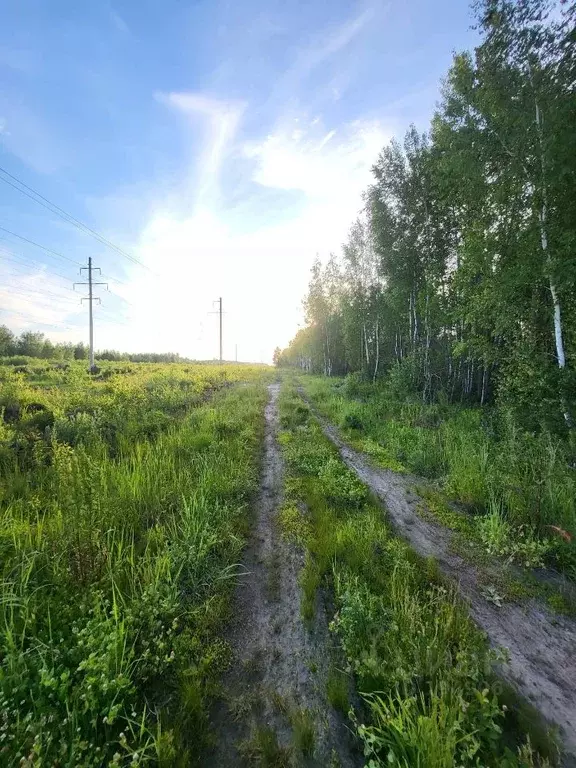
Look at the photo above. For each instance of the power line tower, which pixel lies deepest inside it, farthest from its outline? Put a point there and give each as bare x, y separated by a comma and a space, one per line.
219, 302
90, 299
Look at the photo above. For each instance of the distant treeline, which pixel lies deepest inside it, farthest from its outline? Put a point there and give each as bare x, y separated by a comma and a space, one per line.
35, 344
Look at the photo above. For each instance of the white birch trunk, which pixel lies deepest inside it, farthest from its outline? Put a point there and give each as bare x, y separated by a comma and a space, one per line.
377, 350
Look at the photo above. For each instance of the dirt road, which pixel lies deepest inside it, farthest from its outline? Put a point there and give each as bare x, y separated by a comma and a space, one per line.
275, 710
541, 646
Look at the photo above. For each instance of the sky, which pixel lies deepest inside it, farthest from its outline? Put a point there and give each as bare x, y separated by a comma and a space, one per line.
222, 145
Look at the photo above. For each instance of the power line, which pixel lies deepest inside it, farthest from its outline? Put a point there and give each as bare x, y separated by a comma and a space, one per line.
42, 247
29, 263
54, 254
46, 203
37, 322
30, 290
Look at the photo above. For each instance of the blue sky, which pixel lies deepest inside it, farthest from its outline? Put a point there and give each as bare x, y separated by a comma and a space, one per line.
223, 144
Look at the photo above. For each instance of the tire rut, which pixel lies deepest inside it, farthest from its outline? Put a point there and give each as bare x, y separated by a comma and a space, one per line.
541, 646
279, 665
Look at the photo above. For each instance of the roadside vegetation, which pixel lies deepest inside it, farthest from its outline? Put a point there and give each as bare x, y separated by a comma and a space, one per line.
123, 510
424, 671
515, 492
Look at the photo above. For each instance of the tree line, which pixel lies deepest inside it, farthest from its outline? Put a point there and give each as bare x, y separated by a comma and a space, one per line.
457, 279
36, 344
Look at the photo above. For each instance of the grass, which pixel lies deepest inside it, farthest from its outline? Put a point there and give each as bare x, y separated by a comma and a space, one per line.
337, 690
123, 512
303, 734
263, 749
480, 459
421, 666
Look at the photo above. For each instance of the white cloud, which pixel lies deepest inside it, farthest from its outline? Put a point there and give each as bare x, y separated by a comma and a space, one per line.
3, 129
262, 274
32, 300
324, 165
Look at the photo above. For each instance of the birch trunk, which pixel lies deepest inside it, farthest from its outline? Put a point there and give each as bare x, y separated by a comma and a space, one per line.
377, 350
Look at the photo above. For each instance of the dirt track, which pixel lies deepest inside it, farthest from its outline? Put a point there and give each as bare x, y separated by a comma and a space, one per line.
280, 665
541, 664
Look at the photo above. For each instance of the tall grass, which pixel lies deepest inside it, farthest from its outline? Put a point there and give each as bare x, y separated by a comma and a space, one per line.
424, 670
118, 543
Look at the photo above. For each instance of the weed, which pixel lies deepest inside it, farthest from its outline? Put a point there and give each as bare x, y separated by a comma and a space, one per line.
293, 523
309, 581
480, 458
303, 731
263, 749
279, 703
337, 690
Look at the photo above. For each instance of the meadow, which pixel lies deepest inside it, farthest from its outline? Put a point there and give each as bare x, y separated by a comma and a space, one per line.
124, 502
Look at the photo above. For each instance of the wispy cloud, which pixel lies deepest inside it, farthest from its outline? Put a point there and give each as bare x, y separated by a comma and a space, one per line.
221, 119
328, 43
119, 23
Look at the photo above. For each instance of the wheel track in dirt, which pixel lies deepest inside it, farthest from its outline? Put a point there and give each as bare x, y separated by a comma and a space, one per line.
276, 659
541, 646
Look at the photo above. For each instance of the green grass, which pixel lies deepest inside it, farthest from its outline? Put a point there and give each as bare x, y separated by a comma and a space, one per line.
303, 734
263, 749
480, 459
422, 667
337, 690
121, 521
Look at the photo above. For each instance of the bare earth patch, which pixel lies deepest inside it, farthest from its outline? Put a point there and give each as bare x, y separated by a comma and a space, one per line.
541, 647
275, 711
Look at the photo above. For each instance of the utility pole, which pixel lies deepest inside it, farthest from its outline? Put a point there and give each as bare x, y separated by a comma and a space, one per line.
90, 299
219, 302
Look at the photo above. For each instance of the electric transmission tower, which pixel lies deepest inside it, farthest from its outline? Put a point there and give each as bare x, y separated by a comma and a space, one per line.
219, 312
90, 299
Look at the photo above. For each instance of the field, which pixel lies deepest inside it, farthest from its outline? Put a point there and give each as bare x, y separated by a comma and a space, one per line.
123, 509
191, 575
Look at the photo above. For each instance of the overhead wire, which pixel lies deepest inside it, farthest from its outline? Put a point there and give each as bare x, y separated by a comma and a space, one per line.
54, 254
49, 205
42, 247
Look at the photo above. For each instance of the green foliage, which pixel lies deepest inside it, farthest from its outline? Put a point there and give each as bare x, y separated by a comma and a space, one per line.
340, 485
119, 531
337, 690
475, 458
516, 544
423, 667
303, 732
